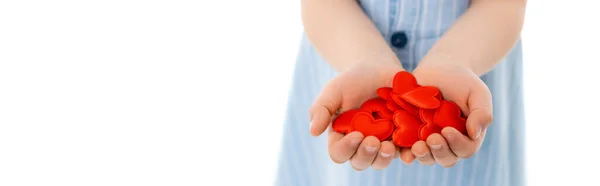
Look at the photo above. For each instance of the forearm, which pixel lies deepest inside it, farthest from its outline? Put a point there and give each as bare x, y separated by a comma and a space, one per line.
343, 35
481, 37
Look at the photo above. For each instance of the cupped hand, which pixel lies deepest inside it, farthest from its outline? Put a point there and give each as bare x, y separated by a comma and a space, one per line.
347, 91
470, 93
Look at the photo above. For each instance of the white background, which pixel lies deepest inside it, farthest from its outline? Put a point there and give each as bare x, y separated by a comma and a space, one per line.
124, 92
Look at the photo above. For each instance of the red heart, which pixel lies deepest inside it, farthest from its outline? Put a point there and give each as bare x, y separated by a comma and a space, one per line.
423, 97
427, 130
392, 106
405, 105
378, 108
407, 132
389, 138
404, 82
426, 115
385, 93
343, 122
449, 115
439, 97
429, 127
365, 123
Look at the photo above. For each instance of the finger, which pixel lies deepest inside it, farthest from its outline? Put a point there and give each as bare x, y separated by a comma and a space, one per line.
383, 159
334, 137
407, 156
480, 111
422, 153
440, 150
324, 108
341, 147
460, 144
365, 154
478, 120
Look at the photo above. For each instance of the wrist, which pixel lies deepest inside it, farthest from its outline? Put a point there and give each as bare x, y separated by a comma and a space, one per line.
442, 66
382, 70
370, 64
477, 68
429, 72
380, 58
440, 60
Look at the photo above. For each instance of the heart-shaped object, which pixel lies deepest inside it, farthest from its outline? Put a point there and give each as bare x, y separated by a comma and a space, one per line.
423, 97
377, 107
343, 122
427, 130
404, 113
428, 127
407, 131
389, 138
385, 93
403, 82
427, 115
391, 105
365, 123
449, 115
397, 98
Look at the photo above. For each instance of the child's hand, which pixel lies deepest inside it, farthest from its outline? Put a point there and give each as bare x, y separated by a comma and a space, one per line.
471, 94
349, 90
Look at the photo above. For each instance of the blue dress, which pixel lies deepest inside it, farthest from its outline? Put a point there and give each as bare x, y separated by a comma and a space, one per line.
304, 160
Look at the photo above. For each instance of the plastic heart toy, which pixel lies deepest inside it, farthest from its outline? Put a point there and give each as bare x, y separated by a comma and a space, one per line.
428, 127
365, 123
404, 82
385, 93
407, 131
449, 115
410, 108
404, 113
378, 108
392, 106
343, 122
423, 97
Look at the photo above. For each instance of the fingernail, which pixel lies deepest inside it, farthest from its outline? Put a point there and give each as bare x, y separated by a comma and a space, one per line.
385, 155
478, 133
449, 136
370, 148
311, 118
397, 153
422, 155
355, 163
355, 141
435, 146
310, 126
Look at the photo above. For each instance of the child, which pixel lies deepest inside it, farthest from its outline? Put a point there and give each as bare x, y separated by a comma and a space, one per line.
470, 50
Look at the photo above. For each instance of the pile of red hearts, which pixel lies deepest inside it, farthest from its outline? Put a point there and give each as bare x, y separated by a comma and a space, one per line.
404, 113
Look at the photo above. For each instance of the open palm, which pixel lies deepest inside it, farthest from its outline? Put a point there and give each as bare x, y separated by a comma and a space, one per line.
471, 94
347, 91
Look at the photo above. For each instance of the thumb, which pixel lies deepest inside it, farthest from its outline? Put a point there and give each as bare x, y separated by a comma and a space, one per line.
324, 107
480, 112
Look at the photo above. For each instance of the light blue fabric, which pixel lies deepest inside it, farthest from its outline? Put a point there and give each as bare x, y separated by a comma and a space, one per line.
304, 159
